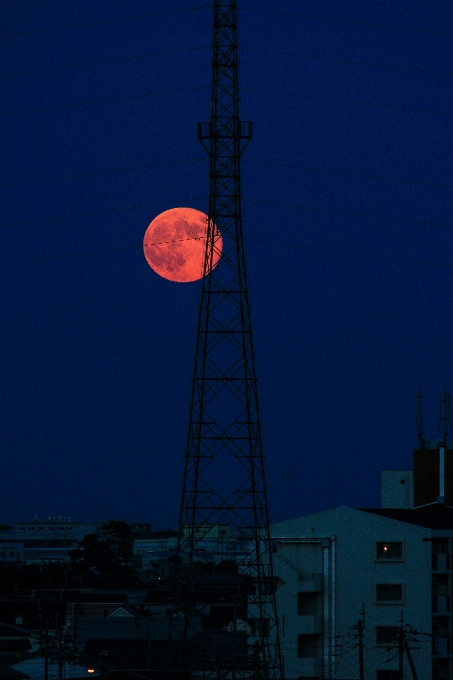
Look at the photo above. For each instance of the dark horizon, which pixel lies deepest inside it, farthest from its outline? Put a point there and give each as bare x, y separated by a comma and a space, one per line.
348, 238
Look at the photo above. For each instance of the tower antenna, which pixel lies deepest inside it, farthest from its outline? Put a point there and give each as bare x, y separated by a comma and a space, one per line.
419, 418
224, 617
444, 415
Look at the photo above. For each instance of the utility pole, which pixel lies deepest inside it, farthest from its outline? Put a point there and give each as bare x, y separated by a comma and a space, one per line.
361, 666
401, 649
224, 479
411, 663
46, 651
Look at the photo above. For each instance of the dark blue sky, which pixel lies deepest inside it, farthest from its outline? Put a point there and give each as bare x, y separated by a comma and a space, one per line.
347, 191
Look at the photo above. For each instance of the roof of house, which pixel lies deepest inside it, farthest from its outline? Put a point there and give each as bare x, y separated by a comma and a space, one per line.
71, 595
8, 673
432, 516
101, 598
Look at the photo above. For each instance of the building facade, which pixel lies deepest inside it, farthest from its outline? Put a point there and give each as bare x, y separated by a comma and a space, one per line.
345, 564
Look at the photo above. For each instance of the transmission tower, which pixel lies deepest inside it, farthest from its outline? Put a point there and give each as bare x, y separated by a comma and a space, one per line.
224, 614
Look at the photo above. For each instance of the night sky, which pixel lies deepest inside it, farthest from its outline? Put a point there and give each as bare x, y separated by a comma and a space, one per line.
347, 196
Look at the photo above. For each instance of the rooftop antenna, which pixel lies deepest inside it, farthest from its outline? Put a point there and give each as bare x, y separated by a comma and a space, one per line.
444, 415
419, 418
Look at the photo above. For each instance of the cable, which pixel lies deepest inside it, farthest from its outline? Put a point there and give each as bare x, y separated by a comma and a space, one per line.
105, 21
350, 174
280, 205
335, 251
347, 101
247, 160
346, 21
104, 101
352, 214
349, 62
96, 212
104, 61
99, 172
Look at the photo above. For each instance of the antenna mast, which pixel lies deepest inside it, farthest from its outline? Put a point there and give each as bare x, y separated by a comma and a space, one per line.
224, 618
419, 418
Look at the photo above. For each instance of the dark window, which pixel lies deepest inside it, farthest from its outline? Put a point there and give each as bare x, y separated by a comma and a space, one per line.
388, 675
106, 612
389, 592
21, 528
386, 634
307, 604
389, 551
309, 646
258, 625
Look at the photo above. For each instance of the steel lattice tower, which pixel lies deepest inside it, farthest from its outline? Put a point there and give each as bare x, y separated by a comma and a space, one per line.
225, 609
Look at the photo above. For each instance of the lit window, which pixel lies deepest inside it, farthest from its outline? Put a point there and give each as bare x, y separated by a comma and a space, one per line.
389, 592
392, 550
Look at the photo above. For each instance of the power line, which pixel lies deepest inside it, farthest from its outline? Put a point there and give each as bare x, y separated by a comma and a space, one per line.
247, 160
346, 21
105, 21
104, 61
347, 101
351, 174
99, 172
247, 89
277, 204
350, 62
95, 212
352, 214
334, 251
105, 101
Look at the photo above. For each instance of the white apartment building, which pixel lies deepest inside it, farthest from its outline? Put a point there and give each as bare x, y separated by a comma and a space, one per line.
342, 565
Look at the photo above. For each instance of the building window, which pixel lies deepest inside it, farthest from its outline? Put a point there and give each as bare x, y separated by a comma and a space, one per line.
388, 675
308, 604
106, 612
392, 550
31, 528
21, 528
258, 627
389, 592
309, 646
386, 634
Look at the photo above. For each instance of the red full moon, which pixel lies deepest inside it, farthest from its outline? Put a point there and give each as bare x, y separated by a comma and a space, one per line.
175, 242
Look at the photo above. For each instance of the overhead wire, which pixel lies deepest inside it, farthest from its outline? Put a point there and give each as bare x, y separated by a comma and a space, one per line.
346, 21
346, 213
105, 21
349, 62
104, 101
349, 174
246, 160
335, 100
104, 61
334, 251
100, 172
95, 212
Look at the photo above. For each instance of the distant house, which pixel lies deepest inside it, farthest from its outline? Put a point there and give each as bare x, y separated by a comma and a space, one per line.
16, 642
34, 668
8, 673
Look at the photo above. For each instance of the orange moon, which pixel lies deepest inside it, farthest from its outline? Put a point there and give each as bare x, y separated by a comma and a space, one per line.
175, 242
